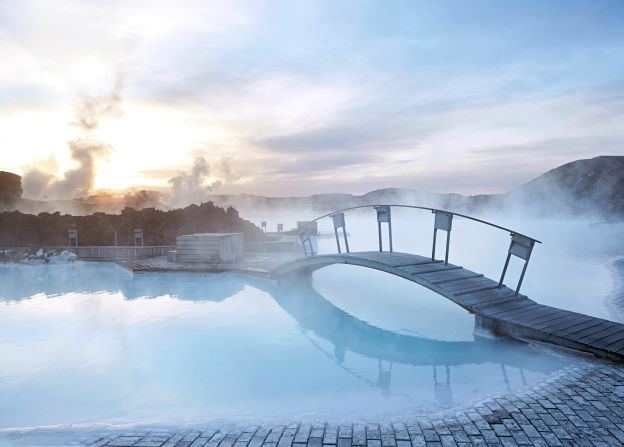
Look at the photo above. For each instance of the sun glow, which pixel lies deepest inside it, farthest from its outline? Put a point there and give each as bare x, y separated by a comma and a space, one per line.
150, 144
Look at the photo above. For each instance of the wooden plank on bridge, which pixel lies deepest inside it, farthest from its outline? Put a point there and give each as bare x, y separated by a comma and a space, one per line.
437, 267
394, 259
599, 338
453, 275
467, 284
548, 316
508, 308
564, 332
617, 346
510, 315
531, 314
484, 296
477, 289
481, 308
579, 335
566, 319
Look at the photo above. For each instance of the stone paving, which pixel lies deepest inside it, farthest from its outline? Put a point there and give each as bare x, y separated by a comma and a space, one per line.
582, 407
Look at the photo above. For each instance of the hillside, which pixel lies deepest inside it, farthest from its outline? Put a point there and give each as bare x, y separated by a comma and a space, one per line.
594, 186
583, 187
328, 202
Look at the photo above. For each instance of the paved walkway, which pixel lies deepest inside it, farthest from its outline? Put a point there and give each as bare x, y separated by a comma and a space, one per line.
584, 406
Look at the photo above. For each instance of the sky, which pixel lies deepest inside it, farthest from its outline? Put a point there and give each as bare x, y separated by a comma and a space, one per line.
301, 97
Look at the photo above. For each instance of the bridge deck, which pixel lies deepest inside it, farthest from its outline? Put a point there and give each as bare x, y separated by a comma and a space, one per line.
496, 308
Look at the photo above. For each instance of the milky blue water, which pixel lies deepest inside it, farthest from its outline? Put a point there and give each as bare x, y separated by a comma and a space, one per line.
89, 342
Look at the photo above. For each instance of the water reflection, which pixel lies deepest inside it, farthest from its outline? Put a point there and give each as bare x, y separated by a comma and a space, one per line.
24, 281
389, 363
346, 333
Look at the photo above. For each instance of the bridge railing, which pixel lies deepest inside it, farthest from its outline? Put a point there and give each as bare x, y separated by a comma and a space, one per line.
520, 246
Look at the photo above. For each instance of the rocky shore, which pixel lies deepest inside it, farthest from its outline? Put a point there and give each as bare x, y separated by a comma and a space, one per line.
36, 255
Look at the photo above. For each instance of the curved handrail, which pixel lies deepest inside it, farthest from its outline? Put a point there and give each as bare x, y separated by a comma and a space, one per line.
521, 245
512, 232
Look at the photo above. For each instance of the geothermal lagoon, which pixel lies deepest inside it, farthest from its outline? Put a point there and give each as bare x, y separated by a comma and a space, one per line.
345, 343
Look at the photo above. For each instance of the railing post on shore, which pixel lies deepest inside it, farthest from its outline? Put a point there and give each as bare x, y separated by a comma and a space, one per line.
521, 247
72, 235
339, 222
443, 221
384, 215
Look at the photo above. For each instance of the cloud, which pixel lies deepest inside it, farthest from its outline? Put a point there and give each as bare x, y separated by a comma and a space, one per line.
301, 92
323, 139
85, 151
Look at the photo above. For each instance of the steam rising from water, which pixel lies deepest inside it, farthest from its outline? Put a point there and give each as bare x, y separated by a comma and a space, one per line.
85, 150
195, 186
192, 187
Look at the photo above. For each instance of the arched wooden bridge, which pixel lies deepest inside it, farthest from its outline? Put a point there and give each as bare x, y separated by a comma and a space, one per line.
498, 308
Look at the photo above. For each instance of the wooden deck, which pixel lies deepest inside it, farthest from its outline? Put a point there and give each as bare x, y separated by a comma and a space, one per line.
497, 309
256, 264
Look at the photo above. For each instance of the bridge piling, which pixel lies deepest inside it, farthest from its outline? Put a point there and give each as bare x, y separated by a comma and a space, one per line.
339, 222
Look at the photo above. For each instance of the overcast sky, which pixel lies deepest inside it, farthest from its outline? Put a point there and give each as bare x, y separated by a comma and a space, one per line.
296, 97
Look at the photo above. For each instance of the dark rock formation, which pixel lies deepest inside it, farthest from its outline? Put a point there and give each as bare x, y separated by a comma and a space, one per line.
160, 227
10, 188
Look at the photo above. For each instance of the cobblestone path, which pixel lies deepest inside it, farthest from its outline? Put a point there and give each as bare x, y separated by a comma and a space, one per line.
584, 407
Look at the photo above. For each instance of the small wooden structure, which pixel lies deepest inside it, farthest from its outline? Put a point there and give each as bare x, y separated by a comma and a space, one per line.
72, 235
210, 247
114, 252
138, 237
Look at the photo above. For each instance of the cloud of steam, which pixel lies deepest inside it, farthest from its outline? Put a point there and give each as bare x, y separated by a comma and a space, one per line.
86, 150
80, 181
142, 199
225, 171
193, 187
88, 110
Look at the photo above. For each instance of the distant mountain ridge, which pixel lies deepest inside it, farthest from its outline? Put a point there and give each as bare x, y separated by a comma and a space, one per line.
591, 186
595, 184
329, 202
583, 187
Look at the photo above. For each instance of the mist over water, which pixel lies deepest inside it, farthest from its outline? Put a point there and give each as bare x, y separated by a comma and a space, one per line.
346, 343
185, 348
573, 267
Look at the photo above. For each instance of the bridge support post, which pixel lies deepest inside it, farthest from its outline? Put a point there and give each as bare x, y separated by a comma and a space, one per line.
443, 221
521, 247
339, 222
306, 241
337, 240
383, 215
486, 327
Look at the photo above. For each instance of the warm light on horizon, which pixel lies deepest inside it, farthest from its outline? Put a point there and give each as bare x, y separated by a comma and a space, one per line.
377, 108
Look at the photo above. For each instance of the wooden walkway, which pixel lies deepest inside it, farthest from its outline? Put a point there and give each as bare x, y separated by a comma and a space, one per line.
497, 309
254, 264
